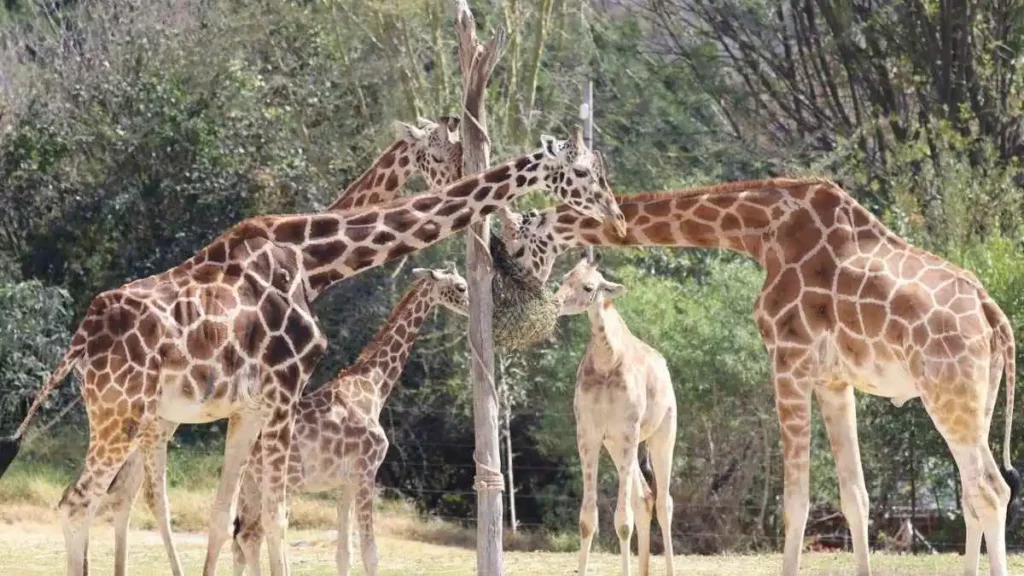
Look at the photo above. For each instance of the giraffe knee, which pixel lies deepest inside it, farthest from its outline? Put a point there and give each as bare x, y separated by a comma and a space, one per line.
588, 520
624, 530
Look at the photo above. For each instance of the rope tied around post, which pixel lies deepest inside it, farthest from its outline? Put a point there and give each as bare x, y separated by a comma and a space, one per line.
487, 478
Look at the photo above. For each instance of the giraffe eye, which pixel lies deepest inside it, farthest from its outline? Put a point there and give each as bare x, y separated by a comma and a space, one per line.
579, 172
461, 287
588, 288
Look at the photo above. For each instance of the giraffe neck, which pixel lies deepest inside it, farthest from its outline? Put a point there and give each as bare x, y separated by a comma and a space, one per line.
389, 351
380, 182
734, 216
607, 335
338, 245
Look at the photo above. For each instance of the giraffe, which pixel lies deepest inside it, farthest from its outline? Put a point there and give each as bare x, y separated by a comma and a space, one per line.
431, 148
847, 304
338, 441
624, 396
229, 332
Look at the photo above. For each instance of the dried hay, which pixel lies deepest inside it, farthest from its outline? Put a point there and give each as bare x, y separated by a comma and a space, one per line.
524, 311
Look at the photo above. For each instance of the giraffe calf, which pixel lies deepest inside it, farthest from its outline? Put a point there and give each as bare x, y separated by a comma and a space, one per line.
338, 441
624, 396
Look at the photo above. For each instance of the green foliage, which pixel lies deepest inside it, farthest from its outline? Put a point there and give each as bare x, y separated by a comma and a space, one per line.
33, 337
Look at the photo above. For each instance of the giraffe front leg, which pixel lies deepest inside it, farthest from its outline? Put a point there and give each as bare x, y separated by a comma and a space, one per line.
343, 553
624, 456
275, 446
793, 405
839, 410
155, 463
242, 431
364, 511
590, 453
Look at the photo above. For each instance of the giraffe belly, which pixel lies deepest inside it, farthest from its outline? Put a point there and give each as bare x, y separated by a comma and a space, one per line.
890, 380
179, 406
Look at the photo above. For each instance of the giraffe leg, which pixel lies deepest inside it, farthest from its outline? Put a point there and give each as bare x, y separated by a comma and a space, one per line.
625, 458
275, 446
248, 527
122, 494
343, 553
155, 463
105, 456
793, 404
364, 512
660, 447
590, 453
242, 431
643, 511
838, 409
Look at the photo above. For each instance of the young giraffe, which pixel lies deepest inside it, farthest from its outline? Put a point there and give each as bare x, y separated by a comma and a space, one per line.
846, 304
624, 396
229, 333
338, 440
431, 149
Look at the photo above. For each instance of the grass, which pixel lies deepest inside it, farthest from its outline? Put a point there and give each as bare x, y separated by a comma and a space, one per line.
31, 541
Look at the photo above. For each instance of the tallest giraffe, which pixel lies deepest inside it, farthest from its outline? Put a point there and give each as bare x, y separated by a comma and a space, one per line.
847, 304
229, 332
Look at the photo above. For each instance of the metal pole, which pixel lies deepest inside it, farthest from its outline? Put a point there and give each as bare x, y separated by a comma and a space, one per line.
587, 114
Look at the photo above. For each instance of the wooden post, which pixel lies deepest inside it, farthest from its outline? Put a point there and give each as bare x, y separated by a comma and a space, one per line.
476, 62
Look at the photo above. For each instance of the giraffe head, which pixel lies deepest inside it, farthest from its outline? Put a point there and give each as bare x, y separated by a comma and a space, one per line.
577, 176
447, 287
530, 239
584, 288
435, 148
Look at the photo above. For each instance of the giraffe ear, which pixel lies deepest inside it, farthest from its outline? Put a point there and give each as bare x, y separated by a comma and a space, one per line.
612, 290
577, 138
408, 132
420, 272
550, 145
423, 123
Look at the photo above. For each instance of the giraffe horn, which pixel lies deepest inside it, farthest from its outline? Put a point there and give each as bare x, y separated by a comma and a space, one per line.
577, 137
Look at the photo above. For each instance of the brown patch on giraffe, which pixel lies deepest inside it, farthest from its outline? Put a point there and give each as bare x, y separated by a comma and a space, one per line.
702, 235
731, 223
462, 189
786, 358
326, 252
706, 212
403, 161
204, 340
855, 350
629, 210
427, 233
400, 219
119, 320
136, 351
502, 191
249, 331
799, 226
875, 288
824, 202
785, 291
383, 237
848, 281
873, 316
323, 227
482, 193
425, 203
99, 345
754, 217
451, 207
462, 220
364, 219
218, 300
360, 257
217, 253
231, 360
969, 324
849, 316
911, 266
910, 303
391, 183
207, 274
658, 233
941, 322
819, 311
399, 250
658, 209
791, 327
920, 335
298, 330
273, 310
291, 231
819, 270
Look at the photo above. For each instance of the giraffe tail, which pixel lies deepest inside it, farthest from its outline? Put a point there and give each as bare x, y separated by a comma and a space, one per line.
10, 446
1010, 475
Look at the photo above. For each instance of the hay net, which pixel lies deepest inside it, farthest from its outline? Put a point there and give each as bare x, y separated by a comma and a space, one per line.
524, 310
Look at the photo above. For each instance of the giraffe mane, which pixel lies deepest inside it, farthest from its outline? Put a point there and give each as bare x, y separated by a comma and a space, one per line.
727, 187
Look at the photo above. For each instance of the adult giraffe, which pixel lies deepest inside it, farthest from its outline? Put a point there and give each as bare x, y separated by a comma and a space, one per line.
846, 304
229, 332
431, 149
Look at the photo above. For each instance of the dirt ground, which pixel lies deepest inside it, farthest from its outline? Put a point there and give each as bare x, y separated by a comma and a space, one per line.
38, 549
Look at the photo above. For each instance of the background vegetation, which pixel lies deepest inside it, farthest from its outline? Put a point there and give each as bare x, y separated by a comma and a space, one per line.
133, 132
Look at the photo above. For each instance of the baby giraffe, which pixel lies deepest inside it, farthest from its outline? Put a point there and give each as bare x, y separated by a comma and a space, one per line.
624, 396
338, 441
